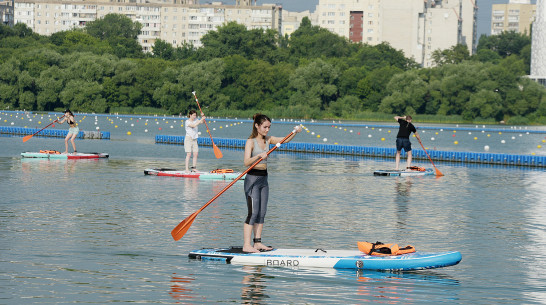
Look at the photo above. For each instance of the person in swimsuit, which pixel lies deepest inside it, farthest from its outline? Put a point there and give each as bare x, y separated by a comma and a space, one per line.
256, 186
190, 140
402, 139
72, 131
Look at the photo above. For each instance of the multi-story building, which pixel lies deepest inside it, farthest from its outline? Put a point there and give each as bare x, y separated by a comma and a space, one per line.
538, 45
175, 21
6, 12
417, 27
517, 15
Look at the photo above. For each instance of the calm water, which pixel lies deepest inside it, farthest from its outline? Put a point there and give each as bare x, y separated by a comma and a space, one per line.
98, 231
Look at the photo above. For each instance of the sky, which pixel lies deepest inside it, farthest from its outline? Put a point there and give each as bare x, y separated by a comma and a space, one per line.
484, 9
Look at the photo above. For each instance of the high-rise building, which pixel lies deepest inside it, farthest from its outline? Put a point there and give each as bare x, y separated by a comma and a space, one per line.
517, 15
6, 12
417, 27
538, 44
174, 21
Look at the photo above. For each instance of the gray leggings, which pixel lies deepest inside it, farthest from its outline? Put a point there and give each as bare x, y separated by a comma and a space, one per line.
257, 193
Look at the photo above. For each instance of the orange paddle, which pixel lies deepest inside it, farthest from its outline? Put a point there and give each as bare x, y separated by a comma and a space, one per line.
438, 172
26, 138
181, 229
217, 151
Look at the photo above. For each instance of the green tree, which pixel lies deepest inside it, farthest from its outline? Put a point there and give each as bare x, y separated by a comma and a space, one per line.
113, 26
314, 84
453, 55
310, 41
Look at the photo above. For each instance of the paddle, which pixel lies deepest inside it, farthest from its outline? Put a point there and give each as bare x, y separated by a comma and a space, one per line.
438, 172
217, 151
26, 138
181, 229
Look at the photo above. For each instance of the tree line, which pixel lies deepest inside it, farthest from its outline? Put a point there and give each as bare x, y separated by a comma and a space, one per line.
311, 74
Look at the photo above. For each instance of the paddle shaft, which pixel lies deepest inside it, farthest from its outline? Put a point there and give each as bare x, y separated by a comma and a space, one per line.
181, 229
208, 131
437, 171
28, 138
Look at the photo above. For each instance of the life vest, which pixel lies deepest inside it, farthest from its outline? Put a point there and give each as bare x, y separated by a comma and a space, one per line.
222, 171
380, 249
51, 152
417, 168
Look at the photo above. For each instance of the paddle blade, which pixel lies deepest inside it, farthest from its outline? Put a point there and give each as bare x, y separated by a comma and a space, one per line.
180, 230
438, 172
26, 138
217, 152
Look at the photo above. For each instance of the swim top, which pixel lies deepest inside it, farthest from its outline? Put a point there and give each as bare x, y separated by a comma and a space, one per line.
258, 150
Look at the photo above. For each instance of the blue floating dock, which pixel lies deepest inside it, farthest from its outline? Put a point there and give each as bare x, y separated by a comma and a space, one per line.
55, 133
437, 155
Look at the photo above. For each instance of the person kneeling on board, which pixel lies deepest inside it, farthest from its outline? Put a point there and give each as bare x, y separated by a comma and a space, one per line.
256, 186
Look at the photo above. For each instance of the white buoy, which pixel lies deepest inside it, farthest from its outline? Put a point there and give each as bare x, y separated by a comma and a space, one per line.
503, 141
324, 139
432, 139
486, 148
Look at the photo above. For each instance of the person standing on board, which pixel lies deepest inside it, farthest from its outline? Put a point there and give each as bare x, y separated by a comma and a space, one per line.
256, 186
72, 131
402, 139
190, 141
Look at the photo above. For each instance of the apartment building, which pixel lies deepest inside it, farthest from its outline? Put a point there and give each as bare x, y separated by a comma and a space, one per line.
517, 15
175, 21
417, 27
6, 12
538, 45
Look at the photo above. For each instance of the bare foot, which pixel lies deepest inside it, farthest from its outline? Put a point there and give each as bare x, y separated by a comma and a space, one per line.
260, 246
250, 249
65, 152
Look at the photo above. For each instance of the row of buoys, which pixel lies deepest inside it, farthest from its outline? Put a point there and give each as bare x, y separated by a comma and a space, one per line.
313, 134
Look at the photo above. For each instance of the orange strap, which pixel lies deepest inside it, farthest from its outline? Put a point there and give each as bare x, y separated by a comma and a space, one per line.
222, 171
381, 249
51, 152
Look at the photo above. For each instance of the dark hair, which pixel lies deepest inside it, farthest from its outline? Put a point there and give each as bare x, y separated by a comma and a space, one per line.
408, 117
191, 112
68, 110
258, 119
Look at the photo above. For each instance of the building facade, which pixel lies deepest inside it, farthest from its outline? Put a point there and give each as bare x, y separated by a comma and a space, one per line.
6, 12
417, 27
518, 15
538, 45
175, 21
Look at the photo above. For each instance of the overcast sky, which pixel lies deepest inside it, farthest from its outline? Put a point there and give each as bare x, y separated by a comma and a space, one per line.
484, 9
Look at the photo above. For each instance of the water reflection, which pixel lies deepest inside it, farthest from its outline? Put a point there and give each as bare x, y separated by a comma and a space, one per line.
402, 187
180, 288
253, 290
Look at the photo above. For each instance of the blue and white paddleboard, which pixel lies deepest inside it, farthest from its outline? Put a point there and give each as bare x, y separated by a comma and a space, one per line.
387, 172
339, 259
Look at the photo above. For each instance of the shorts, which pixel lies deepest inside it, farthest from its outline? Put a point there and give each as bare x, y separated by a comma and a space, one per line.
403, 143
190, 145
73, 130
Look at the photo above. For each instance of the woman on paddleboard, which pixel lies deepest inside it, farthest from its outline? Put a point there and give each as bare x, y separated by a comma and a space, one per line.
72, 131
402, 139
256, 185
190, 141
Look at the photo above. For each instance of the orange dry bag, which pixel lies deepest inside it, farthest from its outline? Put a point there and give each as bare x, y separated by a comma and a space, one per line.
381, 249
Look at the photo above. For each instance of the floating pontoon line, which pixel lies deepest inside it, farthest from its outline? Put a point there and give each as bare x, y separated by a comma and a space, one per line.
450, 156
56, 133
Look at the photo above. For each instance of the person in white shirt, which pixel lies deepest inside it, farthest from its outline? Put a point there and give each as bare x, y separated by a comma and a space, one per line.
190, 141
